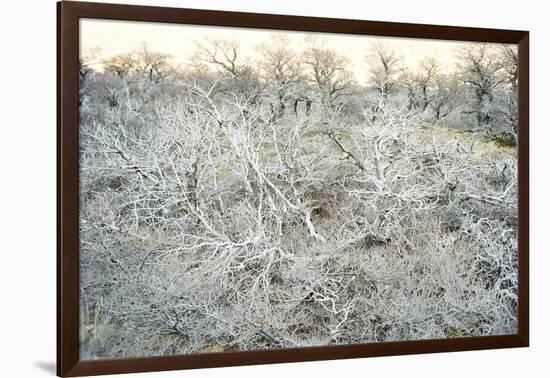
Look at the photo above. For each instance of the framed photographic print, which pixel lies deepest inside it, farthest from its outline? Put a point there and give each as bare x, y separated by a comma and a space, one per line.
238, 188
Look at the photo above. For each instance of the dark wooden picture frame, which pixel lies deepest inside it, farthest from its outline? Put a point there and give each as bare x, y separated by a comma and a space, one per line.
68, 15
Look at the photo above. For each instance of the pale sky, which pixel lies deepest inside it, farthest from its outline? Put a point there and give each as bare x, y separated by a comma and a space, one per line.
115, 37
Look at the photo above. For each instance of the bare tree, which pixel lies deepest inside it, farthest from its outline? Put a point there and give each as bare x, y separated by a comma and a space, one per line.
85, 63
509, 100
280, 66
420, 84
154, 65
444, 98
224, 56
122, 64
143, 61
328, 71
481, 71
383, 68
510, 63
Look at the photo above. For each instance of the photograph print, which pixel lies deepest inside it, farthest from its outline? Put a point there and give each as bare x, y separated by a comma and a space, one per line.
248, 189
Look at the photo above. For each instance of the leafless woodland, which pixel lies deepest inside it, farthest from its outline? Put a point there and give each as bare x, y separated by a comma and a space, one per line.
229, 203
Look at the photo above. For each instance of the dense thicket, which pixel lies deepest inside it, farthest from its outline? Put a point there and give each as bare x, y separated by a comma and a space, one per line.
243, 204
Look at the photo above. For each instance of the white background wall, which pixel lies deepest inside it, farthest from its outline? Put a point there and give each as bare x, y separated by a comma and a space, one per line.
27, 185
